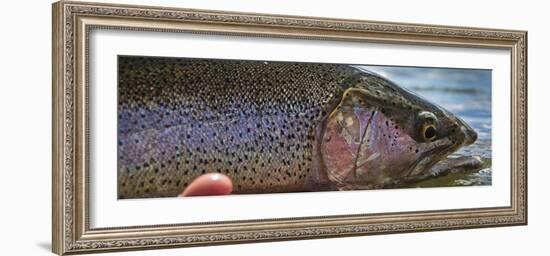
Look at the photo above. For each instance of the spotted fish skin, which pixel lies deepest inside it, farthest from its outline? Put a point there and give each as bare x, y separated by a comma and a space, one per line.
253, 121
270, 126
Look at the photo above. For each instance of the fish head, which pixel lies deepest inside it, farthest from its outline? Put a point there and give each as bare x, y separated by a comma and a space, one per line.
377, 131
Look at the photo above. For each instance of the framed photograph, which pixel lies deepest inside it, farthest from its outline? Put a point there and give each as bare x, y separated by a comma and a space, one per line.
178, 127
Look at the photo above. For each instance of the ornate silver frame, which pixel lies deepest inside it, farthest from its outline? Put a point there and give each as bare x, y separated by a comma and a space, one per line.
72, 21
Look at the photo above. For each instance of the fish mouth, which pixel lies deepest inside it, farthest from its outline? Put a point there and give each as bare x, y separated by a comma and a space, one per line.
432, 156
443, 148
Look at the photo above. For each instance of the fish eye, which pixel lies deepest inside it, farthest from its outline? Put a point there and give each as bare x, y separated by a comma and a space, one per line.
428, 126
429, 132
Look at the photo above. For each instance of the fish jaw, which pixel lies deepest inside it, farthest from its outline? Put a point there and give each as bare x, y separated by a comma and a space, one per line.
459, 134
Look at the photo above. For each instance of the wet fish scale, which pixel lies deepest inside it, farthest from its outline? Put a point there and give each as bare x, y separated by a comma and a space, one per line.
271, 126
239, 118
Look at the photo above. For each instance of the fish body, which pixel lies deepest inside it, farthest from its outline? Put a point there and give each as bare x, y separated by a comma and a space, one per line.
272, 126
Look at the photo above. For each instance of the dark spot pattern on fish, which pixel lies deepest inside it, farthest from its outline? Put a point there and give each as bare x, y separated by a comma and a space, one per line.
183, 118
257, 122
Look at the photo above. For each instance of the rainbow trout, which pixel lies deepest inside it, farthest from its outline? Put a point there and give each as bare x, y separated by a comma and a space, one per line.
272, 127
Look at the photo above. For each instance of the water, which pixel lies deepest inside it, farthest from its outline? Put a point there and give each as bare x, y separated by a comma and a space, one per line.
465, 93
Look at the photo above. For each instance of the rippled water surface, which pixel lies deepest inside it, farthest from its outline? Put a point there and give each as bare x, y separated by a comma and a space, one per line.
465, 93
